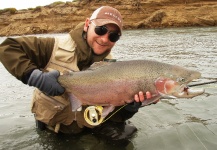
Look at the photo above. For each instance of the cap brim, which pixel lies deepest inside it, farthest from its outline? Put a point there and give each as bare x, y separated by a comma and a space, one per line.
101, 22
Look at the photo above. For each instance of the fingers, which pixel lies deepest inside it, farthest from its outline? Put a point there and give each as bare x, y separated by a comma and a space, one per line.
148, 95
136, 97
141, 97
54, 73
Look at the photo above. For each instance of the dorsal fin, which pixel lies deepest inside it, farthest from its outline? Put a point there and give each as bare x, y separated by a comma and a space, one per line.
99, 64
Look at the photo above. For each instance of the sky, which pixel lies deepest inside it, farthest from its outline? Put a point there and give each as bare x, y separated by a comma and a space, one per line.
25, 4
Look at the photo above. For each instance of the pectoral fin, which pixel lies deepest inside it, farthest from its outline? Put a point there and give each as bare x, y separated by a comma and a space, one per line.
75, 103
151, 100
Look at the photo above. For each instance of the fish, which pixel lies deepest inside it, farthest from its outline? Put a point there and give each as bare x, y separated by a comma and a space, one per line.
112, 84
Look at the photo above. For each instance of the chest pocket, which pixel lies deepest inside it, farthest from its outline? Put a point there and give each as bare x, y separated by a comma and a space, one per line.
63, 56
65, 49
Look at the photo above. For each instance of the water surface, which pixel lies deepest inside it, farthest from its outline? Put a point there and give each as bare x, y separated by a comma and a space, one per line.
171, 124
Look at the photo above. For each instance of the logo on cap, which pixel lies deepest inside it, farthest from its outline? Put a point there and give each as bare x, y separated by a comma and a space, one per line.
113, 15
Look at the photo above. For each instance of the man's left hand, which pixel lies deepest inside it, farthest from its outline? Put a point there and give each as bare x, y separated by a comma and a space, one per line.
139, 98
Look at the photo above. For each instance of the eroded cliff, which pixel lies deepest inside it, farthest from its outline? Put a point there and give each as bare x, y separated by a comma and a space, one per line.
62, 17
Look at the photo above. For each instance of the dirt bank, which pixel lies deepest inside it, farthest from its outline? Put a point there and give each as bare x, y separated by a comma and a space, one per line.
62, 17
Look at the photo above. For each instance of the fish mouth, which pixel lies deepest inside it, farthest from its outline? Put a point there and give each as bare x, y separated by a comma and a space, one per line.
169, 88
183, 91
188, 92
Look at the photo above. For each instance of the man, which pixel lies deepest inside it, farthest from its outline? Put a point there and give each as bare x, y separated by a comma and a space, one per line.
38, 62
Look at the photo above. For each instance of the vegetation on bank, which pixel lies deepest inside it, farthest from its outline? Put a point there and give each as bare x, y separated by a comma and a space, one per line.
38, 8
57, 3
9, 10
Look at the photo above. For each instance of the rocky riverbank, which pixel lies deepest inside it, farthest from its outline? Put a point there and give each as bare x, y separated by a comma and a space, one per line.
60, 17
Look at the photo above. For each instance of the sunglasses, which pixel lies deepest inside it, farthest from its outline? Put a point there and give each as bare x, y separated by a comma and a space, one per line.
102, 30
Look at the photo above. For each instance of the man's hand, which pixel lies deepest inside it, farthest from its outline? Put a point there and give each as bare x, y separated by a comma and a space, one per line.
46, 82
139, 98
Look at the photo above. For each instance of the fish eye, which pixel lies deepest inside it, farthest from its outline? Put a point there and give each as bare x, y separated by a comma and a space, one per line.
181, 79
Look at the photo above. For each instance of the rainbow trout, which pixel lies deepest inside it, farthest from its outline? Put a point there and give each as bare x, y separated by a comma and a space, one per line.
115, 83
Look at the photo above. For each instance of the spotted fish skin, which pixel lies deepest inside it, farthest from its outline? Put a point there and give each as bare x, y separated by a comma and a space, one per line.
116, 83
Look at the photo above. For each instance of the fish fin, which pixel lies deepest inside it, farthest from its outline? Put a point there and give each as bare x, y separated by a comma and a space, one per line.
75, 103
99, 64
106, 110
151, 100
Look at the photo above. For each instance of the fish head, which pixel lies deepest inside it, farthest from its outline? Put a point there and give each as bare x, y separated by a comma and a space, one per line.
173, 84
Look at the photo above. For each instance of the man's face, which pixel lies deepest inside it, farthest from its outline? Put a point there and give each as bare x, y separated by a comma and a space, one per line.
100, 43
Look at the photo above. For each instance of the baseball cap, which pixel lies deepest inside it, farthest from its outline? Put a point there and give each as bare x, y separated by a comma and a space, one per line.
105, 15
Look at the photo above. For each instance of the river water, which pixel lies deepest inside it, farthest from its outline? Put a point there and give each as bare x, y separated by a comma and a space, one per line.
179, 124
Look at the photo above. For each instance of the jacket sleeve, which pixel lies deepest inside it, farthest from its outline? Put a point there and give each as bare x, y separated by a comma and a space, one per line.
22, 55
